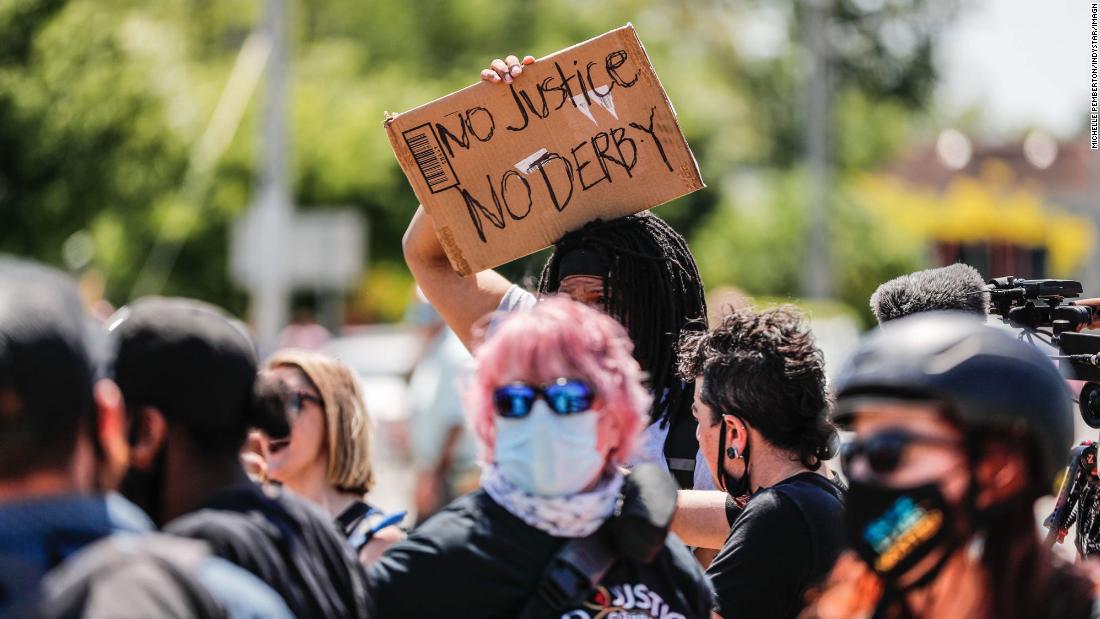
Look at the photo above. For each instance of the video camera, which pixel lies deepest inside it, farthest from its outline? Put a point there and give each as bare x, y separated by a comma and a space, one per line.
1037, 305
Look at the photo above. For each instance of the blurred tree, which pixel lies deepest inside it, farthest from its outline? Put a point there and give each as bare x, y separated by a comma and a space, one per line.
101, 102
881, 77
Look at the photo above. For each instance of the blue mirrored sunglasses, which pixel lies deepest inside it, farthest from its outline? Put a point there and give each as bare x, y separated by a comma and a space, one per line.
566, 396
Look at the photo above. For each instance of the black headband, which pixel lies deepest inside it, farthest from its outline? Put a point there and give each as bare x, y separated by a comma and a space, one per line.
582, 261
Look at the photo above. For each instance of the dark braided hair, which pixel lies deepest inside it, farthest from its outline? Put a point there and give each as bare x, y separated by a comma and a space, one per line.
653, 288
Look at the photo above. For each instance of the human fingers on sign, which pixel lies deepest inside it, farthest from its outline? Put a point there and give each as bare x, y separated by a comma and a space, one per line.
505, 70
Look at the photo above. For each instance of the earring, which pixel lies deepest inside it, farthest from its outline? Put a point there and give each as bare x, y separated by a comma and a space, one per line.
731, 453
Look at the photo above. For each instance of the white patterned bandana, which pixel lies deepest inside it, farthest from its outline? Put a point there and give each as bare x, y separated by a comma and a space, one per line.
574, 515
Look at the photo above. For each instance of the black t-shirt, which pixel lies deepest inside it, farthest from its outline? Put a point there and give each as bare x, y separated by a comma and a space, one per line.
475, 559
785, 541
286, 542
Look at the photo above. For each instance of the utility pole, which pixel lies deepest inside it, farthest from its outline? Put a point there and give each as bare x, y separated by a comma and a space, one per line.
817, 273
275, 249
272, 209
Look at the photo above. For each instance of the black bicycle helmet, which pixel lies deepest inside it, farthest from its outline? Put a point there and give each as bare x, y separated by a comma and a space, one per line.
986, 377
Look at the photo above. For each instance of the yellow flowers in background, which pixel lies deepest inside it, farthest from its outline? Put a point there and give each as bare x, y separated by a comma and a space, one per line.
989, 207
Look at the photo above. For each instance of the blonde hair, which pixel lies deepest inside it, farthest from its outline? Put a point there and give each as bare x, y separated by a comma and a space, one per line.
347, 425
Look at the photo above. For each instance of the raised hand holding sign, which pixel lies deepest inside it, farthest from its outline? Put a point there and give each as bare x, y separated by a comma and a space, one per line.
582, 134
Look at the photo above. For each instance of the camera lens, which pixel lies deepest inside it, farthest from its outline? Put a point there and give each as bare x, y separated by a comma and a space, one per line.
1089, 404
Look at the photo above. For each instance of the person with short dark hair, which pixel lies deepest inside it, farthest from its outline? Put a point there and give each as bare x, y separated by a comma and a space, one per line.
762, 410
63, 446
188, 374
55, 418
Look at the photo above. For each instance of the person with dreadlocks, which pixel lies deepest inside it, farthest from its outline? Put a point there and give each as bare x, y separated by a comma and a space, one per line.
637, 269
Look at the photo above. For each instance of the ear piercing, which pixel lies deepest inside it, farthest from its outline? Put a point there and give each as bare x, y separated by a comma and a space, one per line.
731, 453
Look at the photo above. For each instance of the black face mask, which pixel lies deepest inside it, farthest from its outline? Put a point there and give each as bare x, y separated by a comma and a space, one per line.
734, 486
145, 488
894, 529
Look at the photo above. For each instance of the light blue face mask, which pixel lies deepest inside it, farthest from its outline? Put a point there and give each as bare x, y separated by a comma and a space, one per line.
549, 455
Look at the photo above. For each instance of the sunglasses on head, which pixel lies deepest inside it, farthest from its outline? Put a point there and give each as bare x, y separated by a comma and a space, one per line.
884, 450
566, 396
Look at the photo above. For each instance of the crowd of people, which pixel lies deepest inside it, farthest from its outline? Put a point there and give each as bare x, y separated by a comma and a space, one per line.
634, 460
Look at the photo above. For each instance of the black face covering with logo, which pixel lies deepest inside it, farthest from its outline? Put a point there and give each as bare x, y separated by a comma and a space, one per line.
895, 529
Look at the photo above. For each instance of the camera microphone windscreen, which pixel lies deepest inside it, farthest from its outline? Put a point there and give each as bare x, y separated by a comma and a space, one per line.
957, 287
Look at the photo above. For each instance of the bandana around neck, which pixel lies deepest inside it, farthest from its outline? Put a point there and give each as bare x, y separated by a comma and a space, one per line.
574, 515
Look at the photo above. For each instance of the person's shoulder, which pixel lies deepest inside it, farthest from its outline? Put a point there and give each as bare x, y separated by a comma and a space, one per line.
240, 591
767, 503
814, 483
455, 522
517, 299
124, 515
812, 494
267, 502
144, 573
769, 513
235, 520
315, 528
454, 532
212, 524
441, 544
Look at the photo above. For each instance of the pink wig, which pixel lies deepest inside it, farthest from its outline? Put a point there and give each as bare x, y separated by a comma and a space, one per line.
562, 338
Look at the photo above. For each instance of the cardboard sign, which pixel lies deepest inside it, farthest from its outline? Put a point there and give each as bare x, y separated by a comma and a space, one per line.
507, 169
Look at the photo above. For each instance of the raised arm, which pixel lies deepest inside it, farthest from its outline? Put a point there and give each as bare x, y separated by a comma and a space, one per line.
461, 301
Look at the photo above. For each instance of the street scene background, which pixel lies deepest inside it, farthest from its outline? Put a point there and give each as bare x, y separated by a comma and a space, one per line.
843, 142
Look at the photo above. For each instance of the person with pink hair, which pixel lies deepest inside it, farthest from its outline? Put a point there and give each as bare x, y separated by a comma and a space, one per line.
557, 404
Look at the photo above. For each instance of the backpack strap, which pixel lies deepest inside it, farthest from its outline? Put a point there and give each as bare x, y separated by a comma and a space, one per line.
636, 532
572, 575
349, 519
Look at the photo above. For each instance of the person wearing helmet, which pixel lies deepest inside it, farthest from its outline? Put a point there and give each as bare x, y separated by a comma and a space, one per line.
957, 431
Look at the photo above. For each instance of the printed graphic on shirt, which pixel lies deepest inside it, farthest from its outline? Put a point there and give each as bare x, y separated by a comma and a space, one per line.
624, 602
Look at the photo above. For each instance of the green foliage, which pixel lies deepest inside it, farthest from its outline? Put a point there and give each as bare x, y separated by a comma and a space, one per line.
81, 137
102, 102
752, 241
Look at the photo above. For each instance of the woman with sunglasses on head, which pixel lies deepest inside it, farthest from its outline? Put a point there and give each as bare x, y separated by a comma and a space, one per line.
325, 454
958, 428
557, 404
